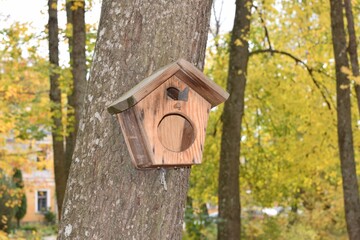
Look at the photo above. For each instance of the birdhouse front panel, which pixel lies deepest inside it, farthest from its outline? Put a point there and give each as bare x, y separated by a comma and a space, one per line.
173, 119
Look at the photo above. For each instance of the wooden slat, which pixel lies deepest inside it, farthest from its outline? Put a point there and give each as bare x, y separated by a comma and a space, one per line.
143, 88
134, 139
208, 89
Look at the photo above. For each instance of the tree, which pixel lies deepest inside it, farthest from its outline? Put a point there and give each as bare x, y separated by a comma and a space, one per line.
75, 11
19, 183
55, 98
103, 184
8, 201
23, 111
229, 195
352, 48
344, 128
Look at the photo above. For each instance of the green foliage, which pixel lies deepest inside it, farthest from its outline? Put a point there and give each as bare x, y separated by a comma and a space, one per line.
21, 209
8, 201
198, 223
33, 231
50, 217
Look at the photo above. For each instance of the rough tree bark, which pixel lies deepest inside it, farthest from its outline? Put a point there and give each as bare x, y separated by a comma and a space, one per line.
345, 138
352, 48
106, 197
229, 192
55, 98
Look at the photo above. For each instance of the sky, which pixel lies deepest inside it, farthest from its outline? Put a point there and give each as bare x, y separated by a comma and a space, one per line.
35, 13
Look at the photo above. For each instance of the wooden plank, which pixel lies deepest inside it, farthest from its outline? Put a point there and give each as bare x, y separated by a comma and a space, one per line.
142, 89
134, 139
208, 89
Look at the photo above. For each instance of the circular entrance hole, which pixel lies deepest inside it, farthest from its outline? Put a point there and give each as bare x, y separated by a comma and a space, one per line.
176, 133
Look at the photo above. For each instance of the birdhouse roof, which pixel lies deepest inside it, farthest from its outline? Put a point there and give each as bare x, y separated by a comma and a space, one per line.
186, 72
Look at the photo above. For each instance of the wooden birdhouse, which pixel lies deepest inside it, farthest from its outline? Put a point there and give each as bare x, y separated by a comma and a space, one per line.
164, 117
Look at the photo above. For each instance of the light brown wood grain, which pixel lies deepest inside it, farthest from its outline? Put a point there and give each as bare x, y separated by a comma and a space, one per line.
142, 89
135, 141
207, 88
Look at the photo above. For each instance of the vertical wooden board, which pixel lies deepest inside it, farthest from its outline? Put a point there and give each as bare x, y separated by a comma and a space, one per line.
157, 105
134, 139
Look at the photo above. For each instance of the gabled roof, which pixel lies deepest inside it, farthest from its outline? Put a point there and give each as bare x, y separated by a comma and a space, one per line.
186, 72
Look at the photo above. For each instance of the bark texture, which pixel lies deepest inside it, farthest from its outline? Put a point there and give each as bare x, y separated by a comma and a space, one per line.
55, 98
229, 193
106, 197
345, 138
352, 47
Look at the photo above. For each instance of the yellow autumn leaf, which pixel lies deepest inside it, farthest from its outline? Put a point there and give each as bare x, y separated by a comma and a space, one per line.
344, 86
54, 6
357, 80
3, 235
346, 71
238, 42
76, 5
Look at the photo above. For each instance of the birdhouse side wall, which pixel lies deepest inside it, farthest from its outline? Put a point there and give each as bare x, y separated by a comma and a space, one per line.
135, 140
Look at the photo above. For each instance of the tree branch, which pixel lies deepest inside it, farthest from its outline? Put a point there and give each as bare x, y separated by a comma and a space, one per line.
310, 70
264, 26
217, 18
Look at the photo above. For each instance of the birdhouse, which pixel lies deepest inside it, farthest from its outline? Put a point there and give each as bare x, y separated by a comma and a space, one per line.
164, 117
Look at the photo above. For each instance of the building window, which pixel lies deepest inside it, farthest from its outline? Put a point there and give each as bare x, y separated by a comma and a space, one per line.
42, 201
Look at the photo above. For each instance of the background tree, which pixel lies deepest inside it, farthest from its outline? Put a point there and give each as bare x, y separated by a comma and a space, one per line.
229, 195
56, 101
345, 136
24, 108
352, 48
75, 11
147, 37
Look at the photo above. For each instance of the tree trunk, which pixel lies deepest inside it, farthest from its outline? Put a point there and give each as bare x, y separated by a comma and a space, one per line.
71, 120
55, 98
106, 197
345, 138
352, 48
229, 192
76, 19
